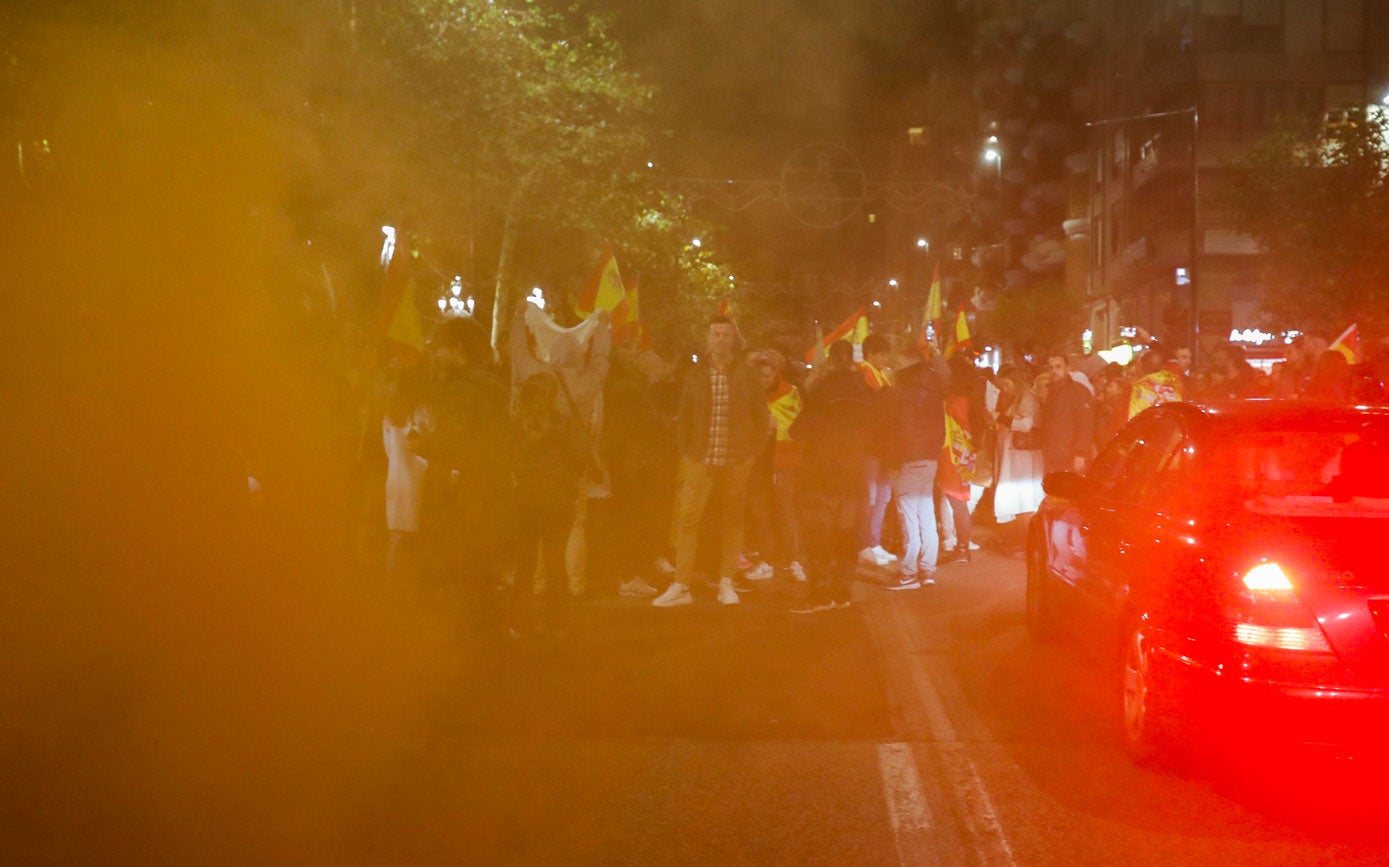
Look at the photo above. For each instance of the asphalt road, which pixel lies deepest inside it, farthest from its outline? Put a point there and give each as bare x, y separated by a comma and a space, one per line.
920, 727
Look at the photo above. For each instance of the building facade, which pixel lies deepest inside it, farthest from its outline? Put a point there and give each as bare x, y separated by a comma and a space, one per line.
1176, 90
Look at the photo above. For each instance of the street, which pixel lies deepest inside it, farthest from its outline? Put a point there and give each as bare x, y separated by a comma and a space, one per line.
922, 727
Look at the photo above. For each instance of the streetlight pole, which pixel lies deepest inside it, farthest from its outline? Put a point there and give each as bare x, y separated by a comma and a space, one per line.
1195, 246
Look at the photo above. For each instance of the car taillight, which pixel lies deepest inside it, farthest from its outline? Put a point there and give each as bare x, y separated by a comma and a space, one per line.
1267, 613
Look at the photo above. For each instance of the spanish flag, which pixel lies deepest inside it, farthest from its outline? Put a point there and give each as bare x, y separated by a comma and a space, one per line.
959, 339
398, 319
603, 291
626, 318
933, 314
854, 329
1348, 344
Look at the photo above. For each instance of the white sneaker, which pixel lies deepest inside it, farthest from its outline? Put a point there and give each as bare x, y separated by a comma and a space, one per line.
974, 546
884, 556
797, 570
760, 572
664, 566
868, 556
676, 594
948, 544
727, 595
637, 587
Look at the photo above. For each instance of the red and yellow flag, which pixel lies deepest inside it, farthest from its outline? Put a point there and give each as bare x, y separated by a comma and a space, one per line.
1348, 344
957, 463
854, 329
398, 319
958, 339
603, 291
933, 314
626, 318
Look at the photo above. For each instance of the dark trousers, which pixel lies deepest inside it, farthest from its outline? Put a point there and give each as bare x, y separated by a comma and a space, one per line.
829, 526
628, 529
964, 524
544, 530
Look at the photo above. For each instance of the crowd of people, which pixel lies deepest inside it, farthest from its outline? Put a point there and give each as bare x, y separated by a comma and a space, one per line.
743, 466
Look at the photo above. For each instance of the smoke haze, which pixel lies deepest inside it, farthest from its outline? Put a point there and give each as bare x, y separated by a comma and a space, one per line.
190, 675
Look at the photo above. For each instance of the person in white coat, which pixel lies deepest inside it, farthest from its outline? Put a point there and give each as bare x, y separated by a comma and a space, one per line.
405, 416
1019, 487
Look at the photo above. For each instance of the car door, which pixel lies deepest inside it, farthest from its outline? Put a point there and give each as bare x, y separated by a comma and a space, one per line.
1129, 534
1073, 519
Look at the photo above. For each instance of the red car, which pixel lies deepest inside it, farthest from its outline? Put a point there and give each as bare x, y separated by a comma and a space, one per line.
1233, 561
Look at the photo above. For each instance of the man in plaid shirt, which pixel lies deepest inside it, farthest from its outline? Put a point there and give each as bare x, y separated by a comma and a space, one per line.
723, 422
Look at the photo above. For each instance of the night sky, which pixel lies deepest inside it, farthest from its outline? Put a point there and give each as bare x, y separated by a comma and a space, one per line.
744, 84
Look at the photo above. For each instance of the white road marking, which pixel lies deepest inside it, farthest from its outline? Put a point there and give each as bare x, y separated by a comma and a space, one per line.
912, 823
976, 809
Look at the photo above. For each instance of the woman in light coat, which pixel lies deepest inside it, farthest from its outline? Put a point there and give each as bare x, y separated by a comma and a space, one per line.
1019, 487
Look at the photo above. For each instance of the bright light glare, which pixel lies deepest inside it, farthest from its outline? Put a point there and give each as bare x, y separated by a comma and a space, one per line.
921, 242
697, 243
1281, 637
990, 155
1267, 577
892, 283
387, 247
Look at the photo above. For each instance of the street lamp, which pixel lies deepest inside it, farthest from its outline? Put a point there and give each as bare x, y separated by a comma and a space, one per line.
994, 154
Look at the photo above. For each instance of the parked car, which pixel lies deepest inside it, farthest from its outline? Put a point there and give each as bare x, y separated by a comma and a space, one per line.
1231, 560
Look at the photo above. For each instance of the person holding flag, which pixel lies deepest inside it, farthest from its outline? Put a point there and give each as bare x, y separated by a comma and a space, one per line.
772, 498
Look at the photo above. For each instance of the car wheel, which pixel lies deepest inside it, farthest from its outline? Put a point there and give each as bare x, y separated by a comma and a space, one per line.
1041, 623
1146, 716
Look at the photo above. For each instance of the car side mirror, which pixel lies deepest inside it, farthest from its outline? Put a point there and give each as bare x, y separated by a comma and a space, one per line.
1066, 484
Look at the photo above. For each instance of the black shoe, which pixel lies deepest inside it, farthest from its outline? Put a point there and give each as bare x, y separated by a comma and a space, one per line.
957, 557
904, 582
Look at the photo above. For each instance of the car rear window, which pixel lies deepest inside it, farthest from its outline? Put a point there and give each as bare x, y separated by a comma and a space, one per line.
1313, 472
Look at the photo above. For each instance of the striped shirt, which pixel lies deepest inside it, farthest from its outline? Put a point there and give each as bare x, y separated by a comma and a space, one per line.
719, 401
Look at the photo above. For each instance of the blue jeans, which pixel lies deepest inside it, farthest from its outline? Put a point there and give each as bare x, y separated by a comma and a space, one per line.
917, 507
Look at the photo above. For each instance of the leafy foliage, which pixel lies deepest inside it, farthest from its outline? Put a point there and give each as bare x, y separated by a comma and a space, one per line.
507, 138
1026, 317
1318, 201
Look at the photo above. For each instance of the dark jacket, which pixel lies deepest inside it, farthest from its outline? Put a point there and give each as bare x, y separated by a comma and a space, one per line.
1068, 425
916, 416
835, 427
749, 422
548, 468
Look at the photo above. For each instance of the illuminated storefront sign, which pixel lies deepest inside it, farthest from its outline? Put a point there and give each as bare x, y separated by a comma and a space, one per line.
1251, 336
